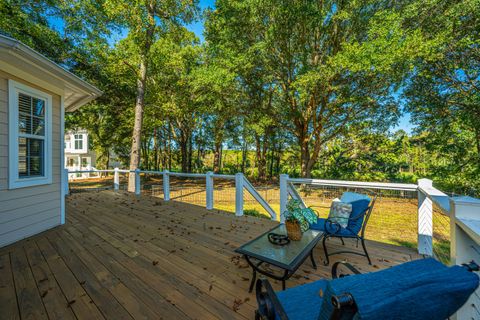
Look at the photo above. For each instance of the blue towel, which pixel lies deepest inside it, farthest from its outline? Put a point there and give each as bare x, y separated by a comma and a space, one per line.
422, 289
303, 302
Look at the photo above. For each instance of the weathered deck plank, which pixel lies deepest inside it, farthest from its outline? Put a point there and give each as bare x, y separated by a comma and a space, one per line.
125, 257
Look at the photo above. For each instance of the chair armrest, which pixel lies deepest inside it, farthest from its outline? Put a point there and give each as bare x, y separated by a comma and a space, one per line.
350, 268
472, 266
337, 227
269, 307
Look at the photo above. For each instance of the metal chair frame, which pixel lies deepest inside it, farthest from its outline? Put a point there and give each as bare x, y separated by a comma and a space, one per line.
359, 237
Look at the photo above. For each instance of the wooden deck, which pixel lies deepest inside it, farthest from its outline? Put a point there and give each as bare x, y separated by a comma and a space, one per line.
124, 257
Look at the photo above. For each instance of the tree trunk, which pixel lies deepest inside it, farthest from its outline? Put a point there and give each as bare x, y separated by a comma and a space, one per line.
217, 156
190, 151
155, 149
137, 129
244, 155
305, 171
140, 101
260, 155
169, 146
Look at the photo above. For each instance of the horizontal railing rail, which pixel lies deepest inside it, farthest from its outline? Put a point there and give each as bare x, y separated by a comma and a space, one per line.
356, 184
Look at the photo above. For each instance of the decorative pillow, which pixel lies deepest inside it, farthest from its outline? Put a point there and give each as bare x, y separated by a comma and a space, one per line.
340, 212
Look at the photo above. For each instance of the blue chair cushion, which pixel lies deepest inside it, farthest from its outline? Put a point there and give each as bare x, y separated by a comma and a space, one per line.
421, 289
359, 207
303, 302
331, 229
353, 196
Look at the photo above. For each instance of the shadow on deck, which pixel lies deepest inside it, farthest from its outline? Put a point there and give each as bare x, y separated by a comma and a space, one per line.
126, 257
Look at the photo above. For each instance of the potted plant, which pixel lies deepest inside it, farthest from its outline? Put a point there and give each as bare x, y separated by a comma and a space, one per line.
298, 219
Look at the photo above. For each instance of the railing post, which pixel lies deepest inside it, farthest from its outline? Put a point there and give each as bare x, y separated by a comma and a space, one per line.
425, 219
116, 180
166, 186
209, 190
283, 196
137, 182
239, 194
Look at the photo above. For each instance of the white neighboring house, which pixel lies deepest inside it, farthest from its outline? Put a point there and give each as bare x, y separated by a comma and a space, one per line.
34, 95
78, 155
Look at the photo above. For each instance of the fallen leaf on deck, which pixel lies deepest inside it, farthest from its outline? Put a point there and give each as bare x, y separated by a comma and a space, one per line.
236, 304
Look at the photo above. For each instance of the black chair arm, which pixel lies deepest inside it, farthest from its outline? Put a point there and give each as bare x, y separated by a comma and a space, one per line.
269, 307
350, 267
334, 224
471, 266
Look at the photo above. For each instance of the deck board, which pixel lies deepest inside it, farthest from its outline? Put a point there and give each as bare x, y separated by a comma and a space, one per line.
125, 257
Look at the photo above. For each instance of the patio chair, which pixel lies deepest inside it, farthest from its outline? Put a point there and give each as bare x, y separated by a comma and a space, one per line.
362, 207
422, 289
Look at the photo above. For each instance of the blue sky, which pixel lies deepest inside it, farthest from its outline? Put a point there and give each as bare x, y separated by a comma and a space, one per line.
197, 27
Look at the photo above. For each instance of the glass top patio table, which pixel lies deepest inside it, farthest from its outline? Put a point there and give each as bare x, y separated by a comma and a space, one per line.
289, 256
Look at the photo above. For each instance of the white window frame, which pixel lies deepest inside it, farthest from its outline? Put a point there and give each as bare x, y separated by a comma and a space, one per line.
82, 139
14, 181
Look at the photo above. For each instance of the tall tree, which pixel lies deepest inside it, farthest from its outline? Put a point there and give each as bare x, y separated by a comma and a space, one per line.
145, 22
334, 62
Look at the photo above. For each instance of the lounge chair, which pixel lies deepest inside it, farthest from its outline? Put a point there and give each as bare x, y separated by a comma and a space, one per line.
362, 207
422, 289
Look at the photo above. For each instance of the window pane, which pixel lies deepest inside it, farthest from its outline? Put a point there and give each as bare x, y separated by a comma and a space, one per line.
24, 123
30, 157
22, 167
35, 147
22, 147
78, 144
38, 126
36, 166
24, 103
38, 107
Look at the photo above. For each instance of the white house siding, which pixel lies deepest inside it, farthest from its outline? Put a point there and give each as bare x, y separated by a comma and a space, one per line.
27, 211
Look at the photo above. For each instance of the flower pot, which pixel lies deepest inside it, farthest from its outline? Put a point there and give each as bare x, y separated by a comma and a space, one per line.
293, 230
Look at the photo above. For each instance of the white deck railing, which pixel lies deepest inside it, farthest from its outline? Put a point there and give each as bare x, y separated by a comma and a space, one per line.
241, 184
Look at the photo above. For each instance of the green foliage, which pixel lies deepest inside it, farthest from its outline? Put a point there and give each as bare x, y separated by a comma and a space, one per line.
254, 213
304, 216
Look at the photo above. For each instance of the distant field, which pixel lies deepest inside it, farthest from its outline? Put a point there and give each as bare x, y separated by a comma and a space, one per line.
394, 219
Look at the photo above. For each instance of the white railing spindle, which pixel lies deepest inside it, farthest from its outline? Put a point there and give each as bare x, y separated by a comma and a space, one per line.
239, 194
116, 180
166, 186
137, 182
283, 196
209, 190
